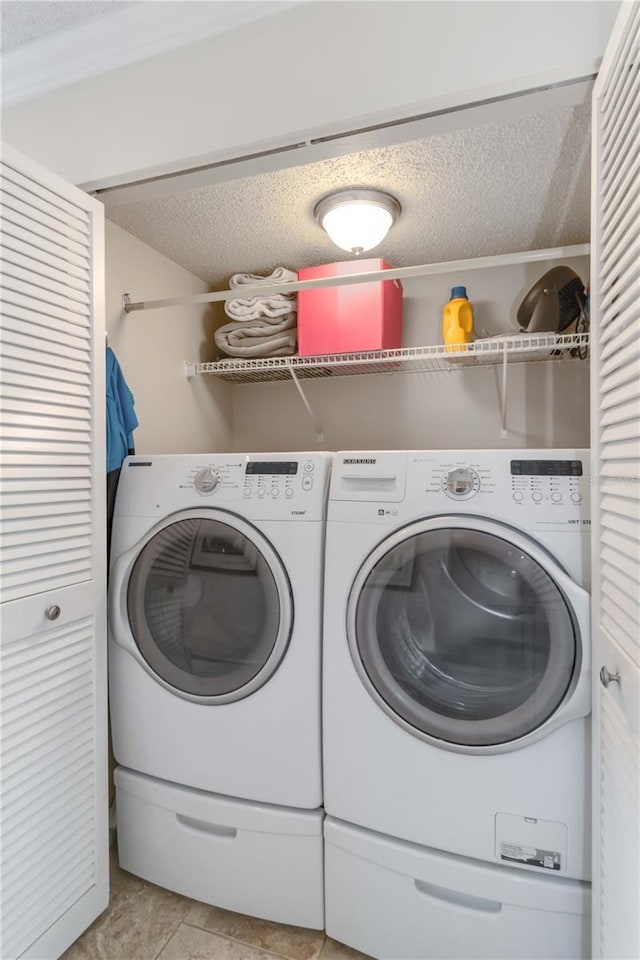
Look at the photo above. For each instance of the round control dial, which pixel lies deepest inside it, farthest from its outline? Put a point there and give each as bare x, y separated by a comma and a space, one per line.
206, 480
461, 483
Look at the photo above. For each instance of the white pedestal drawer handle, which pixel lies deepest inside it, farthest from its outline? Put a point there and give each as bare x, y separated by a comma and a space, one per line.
457, 898
211, 829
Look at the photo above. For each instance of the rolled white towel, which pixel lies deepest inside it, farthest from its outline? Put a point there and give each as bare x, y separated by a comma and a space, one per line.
279, 275
253, 308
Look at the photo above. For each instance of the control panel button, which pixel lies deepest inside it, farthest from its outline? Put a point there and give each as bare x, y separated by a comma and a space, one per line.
576, 497
247, 491
309, 467
289, 492
275, 492
206, 480
556, 497
261, 491
307, 483
461, 483
518, 496
536, 496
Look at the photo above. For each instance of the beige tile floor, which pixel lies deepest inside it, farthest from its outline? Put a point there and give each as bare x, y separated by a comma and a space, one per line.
145, 922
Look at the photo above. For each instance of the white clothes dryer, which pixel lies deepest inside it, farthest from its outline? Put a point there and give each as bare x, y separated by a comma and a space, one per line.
215, 603
456, 686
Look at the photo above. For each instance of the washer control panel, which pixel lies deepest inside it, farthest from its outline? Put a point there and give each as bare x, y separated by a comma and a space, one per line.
461, 483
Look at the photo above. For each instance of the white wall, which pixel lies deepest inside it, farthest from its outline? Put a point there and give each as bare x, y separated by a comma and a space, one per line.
548, 402
176, 415
316, 69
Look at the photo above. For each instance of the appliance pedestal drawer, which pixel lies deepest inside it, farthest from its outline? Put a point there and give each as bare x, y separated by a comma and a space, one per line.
258, 859
396, 900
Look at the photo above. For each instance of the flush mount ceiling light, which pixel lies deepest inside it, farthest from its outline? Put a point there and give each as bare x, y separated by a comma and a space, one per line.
357, 220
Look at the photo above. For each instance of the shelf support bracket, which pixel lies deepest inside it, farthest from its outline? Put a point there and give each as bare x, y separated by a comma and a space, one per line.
504, 394
190, 369
316, 423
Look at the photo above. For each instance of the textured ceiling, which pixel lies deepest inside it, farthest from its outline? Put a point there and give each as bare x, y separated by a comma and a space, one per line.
517, 185
24, 21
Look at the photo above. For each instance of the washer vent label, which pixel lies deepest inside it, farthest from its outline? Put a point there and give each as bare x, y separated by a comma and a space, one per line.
532, 856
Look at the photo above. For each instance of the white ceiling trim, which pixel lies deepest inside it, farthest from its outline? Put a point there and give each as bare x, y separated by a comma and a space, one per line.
116, 40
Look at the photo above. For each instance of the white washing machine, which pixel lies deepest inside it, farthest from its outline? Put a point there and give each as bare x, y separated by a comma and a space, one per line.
456, 685
215, 602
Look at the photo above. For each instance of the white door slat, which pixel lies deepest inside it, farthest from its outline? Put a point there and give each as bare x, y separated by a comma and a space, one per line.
39, 298
625, 604
34, 398
625, 54
44, 510
30, 538
44, 285
47, 470
28, 550
620, 563
623, 334
79, 224
618, 132
626, 376
626, 450
12, 298
622, 310
619, 525
57, 718
48, 273
621, 189
35, 218
625, 547
26, 877
14, 231
72, 349
46, 425
627, 430
55, 331
11, 174
619, 626
626, 262
57, 770
56, 387
46, 363
41, 230
616, 583
618, 395
20, 568
38, 255
13, 413
623, 227
625, 360
75, 445
621, 412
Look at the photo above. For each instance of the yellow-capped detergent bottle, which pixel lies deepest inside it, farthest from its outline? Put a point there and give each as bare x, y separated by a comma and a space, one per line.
457, 321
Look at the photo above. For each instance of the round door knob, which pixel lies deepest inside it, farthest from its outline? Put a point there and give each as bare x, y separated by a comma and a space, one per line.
53, 612
606, 678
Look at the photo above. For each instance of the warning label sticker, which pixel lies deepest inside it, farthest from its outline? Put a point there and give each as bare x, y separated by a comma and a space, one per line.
532, 856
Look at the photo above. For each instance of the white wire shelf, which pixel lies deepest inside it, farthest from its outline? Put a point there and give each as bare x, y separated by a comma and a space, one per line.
516, 349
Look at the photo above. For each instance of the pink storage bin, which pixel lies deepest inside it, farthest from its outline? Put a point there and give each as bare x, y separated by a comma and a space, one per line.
349, 319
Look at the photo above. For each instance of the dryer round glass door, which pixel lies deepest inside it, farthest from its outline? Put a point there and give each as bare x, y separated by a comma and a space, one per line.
209, 606
461, 636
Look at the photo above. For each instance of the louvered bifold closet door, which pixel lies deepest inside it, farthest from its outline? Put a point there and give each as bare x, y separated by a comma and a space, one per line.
53, 816
616, 502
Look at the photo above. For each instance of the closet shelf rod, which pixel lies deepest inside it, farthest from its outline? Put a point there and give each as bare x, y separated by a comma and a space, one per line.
397, 273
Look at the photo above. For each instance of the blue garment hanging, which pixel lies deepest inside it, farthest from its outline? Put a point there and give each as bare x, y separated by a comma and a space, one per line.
121, 417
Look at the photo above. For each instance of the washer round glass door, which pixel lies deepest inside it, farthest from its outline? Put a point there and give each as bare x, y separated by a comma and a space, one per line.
210, 607
461, 635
